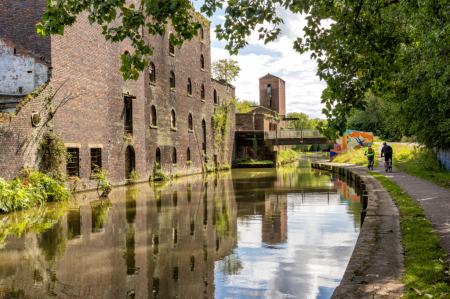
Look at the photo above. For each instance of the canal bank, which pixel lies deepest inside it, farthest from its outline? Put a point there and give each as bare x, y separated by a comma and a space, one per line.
376, 264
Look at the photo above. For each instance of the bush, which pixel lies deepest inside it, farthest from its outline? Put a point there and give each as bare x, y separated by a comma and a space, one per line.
287, 156
35, 189
101, 176
133, 177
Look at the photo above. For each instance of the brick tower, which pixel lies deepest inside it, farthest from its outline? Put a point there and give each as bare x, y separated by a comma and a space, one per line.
272, 93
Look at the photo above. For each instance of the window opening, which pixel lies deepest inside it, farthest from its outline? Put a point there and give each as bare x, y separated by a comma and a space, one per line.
203, 92
204, 137
96, 158
153, 116
188, 154
215, 96
189, 87
190, 122
172, 80
202, 61
174, 156
152, 71
158, 158
73, 164
128, 116
171, 48
201, 33
130, 161
173, 119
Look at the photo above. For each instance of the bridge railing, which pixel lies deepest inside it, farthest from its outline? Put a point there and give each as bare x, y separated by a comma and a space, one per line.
292, 134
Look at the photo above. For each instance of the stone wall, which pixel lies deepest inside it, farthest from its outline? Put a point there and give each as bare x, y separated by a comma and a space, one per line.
19, 139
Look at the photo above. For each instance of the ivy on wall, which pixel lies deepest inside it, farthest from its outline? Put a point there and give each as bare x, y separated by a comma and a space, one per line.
221, 124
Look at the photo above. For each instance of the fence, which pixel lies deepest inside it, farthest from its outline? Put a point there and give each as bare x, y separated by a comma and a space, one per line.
293, 134
444, 157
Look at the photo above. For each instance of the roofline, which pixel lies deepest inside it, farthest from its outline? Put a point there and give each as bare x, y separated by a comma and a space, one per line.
223, 83
273, 76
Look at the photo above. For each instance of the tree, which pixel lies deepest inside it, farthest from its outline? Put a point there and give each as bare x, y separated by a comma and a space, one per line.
244, 106
396, 49
225, 69
301, 124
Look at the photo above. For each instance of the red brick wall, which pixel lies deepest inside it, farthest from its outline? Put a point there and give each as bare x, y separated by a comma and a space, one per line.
278, 93
245, 122
17, 25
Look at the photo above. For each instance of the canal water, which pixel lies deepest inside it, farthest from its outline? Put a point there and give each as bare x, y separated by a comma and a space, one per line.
262, 233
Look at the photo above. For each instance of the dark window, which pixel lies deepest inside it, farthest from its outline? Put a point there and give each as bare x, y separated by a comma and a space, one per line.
202, 61
153, 116
172, 80
189, 87
171, 48
190, 122
152, 72
173, 119
128, 116
96, 158
201, 33
158, 158
188, 155
215, 96
174, 156
73, 164
203, 92
204, 136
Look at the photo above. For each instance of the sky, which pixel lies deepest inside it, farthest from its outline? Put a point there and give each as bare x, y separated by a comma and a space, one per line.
303, 87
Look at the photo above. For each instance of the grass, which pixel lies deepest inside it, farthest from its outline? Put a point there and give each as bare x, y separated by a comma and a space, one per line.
425, 261
356, 156
422, 163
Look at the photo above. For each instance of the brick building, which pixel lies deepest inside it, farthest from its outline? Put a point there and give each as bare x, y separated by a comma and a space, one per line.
164, 116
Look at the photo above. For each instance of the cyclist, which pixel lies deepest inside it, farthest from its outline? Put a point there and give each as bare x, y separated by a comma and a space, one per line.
387, 152
370, 153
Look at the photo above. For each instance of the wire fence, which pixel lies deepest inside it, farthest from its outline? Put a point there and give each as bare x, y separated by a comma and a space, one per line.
293, 134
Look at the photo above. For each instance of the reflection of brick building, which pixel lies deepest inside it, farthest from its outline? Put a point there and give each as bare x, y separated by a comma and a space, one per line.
127, 124
146, 243
274, 226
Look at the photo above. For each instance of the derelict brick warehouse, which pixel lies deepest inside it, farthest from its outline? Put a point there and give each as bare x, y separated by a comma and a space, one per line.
131, 125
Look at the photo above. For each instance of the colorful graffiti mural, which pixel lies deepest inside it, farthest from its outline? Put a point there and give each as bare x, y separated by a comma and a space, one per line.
351, 139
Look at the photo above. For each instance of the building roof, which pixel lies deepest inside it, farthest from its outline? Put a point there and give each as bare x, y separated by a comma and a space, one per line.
269, 74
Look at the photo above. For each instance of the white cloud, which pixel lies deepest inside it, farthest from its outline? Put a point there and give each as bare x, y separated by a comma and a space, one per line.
303, 87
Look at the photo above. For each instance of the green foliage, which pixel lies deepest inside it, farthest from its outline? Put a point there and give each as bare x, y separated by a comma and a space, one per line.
133, 177
158, 175
35, 189
54, 156
287, 156
210, 169
425, 260
226, 70
221, 124
245, 106
101, 176
421, 162
356, 156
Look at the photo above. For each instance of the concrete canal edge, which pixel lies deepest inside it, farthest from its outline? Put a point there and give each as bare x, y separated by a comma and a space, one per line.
376, 265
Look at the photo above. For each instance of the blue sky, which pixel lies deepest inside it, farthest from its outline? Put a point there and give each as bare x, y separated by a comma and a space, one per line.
303, 87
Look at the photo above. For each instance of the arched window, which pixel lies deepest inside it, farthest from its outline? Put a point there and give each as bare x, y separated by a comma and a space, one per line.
153, 116
172, 80
202, 92
201, 33
174, 156
171, 48
188, 155
215, 97
173, 119
202, 61
152, 72
158, 158
190, 122
189, 87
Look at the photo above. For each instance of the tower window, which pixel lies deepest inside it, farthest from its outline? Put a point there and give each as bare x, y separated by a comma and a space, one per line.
215, 97
202, 92
152, 72
188, 155
153, 116
174, 156
202, 61
172, 80
128, 115
173, 119
201, 34
158, 158
190, 122
189, 87
171, 48
73, 164
96, 158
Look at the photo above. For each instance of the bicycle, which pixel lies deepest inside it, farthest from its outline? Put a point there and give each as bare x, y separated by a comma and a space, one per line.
370, 163
389, 165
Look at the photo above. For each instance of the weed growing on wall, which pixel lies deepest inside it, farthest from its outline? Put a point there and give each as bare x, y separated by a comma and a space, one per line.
221, 124
101, 176
54, 156
134, 176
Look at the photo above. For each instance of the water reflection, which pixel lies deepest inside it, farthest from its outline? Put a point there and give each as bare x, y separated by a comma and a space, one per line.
264, 233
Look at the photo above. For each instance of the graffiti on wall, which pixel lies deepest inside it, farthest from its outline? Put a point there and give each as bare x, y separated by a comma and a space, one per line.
351, 139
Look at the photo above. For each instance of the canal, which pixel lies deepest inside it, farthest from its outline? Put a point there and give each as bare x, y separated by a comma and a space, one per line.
261, 233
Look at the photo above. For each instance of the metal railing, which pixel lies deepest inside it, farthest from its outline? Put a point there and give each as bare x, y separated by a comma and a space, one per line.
293, 134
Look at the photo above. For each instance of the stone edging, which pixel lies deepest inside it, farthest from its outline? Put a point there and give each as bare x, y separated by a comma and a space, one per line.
376, 264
